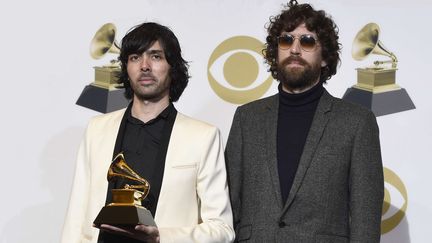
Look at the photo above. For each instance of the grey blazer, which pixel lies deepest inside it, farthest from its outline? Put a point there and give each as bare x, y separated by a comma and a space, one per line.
338, 190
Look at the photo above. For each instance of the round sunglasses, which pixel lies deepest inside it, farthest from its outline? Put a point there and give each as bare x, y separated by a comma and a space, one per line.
307, 42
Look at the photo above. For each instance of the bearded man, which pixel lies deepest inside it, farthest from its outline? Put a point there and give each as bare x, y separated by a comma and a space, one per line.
180, 157
302, 165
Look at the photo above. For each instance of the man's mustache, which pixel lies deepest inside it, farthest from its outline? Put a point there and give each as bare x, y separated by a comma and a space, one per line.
146, 76
292, 59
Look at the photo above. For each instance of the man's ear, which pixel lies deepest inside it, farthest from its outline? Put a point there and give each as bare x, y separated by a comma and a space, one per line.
323, 63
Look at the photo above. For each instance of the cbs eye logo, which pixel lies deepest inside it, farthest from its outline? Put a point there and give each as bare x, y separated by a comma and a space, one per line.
395, 201
236, 79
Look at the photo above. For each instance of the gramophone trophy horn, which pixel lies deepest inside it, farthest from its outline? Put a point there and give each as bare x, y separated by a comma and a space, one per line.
104, 41
120, 169
126, 208
103, 94
367, 42
376, 87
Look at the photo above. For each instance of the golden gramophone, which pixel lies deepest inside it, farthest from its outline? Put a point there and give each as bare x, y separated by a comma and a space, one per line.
376, 86
104, 42
125, 208
103, 94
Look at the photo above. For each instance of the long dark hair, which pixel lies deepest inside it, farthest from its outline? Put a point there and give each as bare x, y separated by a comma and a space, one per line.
142, 37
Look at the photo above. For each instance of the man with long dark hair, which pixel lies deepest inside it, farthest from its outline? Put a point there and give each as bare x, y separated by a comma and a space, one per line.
180, 157
304, 166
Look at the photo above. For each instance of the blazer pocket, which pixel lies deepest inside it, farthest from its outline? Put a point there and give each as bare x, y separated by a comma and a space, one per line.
184, 166
244, 232
321, 238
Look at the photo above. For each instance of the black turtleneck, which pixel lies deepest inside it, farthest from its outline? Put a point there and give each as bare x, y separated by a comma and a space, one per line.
295, 115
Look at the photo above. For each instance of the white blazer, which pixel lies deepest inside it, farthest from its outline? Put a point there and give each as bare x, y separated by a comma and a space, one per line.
193, 204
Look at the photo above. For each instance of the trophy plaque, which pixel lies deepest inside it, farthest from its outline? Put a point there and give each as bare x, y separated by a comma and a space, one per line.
103, 94
376, 87
126, 208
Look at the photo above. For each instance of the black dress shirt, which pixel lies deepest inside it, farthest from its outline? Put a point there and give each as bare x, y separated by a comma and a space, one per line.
144, 146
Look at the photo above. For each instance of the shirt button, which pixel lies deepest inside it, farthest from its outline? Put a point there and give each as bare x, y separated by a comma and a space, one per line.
282, 224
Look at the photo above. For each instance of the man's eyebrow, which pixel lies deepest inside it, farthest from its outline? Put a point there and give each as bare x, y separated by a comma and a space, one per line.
155, 51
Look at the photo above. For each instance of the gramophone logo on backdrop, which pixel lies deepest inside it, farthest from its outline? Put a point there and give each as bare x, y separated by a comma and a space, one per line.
240, 70
103, 94
376, 87
377, 90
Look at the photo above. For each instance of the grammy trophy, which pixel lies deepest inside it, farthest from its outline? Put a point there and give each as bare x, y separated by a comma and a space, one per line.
126, 208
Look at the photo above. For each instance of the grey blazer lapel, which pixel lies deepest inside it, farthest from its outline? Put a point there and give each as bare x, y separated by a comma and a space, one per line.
271, 119
319, 123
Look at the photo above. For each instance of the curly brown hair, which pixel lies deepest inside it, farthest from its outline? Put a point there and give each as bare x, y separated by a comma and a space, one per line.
315, 20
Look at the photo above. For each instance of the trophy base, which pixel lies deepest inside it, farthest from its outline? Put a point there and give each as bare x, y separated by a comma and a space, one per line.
381, 103
102, 99
124, 215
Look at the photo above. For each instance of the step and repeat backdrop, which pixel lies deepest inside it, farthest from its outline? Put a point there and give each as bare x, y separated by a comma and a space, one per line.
54, 54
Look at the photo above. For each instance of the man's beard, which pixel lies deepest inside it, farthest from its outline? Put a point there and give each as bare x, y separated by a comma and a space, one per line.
151, 92
298, 78
154, 96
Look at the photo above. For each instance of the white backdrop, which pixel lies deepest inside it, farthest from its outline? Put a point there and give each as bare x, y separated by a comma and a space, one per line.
45, 65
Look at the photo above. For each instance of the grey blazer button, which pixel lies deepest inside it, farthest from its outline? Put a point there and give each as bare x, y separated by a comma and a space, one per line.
282, 224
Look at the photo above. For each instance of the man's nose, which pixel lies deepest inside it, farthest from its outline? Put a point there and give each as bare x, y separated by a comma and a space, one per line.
295, 48
145, 65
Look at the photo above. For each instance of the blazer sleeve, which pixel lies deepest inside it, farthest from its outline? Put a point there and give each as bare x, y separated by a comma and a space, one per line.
234, 160
75, 216
212, 191
366, 183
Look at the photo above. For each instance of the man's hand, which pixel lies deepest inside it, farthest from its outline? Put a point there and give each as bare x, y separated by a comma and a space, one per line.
149, 234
